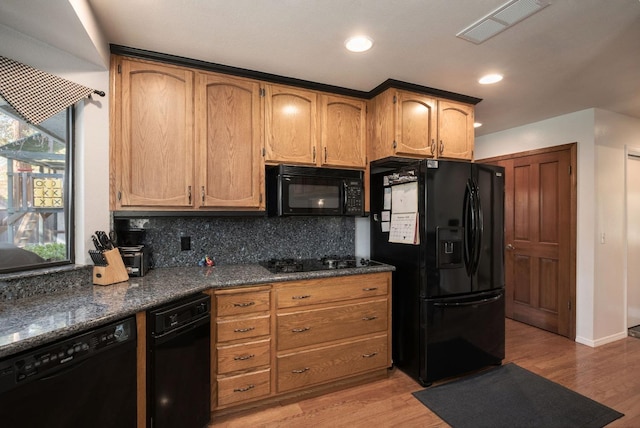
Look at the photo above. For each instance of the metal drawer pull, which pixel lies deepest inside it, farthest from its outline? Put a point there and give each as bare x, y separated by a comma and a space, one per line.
373, 354
244, 357
300, 370
300, 330
306, 296
243, 330
245, 389
244, 305
369, 318
370, 289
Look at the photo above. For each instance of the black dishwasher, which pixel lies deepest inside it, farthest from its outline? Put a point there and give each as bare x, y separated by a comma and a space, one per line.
178, 364
88, 380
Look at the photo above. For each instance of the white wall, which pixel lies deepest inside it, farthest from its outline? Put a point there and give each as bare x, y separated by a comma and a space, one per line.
633, 238
600, 279
614, 134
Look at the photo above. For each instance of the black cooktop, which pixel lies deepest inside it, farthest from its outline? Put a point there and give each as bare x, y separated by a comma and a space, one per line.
290, 264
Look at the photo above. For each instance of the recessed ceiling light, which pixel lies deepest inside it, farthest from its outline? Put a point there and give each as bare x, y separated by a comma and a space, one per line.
490, 78
477, 125
358, 43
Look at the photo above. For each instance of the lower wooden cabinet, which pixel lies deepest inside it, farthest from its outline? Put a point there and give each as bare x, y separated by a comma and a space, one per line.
290, 338
241, 347
310, 367
244, 387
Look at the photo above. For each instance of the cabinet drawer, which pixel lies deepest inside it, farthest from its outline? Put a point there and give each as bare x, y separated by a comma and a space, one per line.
315, 326
243, 356
242, 303
301, 369
244, 387
242, 328
325, 290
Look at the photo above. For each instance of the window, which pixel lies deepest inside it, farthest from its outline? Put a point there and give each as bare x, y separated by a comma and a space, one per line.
35, 191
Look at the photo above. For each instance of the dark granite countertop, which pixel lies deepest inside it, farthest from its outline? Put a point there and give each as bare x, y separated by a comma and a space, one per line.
33, 321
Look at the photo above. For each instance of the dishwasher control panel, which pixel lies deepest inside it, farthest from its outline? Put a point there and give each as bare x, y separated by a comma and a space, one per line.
178, 313
45, 360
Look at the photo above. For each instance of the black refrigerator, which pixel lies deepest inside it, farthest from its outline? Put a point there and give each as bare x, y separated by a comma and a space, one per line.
440, 223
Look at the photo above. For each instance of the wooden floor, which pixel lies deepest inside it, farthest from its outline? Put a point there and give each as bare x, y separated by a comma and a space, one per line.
609, 374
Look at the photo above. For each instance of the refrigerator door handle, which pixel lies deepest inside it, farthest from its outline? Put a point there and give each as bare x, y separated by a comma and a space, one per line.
478, 228
469, 223
471, 303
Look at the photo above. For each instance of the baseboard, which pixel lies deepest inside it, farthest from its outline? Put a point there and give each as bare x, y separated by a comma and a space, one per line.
603, 340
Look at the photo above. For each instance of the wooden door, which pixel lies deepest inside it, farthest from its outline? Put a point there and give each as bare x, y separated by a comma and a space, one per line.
343, 130
455, 130
540, 237
415, 124
291, 125
229, 124
154, 141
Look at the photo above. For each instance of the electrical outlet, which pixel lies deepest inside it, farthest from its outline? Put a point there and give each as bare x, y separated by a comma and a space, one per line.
185, 243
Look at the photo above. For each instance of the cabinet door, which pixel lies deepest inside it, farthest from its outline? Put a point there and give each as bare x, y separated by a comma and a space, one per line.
291, 129
455, 130
415, 124
229, 142
154, 140
343, 126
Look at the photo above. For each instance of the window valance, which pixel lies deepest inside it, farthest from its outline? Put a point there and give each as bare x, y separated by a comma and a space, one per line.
35, 94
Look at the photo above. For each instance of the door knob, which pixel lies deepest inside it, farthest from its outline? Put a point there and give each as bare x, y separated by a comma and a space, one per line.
510, 247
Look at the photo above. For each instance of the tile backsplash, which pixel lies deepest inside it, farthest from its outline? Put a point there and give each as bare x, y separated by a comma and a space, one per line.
235, 240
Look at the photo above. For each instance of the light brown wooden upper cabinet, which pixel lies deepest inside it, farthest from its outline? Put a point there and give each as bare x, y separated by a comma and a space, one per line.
291, 131
152, 135
343, 131
407, 124
229, 123
455, 130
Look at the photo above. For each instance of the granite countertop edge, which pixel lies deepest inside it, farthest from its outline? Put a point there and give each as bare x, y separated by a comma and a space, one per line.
34, 321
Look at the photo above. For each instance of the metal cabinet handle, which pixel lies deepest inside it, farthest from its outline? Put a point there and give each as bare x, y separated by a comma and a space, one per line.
300, 330
202, 193
244, 305
370, 289
369, 318
433, 146
244, 357
189, 193
314, 155
325, 155
245, 389
441, 147
306, 296
244, 330
300, 370
373, 354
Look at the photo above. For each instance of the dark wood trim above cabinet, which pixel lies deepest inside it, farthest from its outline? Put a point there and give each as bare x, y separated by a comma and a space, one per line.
274, 78
412, 87
235, 71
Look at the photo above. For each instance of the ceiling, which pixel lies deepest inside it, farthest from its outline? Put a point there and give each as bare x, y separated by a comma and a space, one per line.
570, 56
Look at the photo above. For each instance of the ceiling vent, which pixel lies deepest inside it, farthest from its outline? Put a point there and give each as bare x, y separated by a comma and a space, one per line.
500, 19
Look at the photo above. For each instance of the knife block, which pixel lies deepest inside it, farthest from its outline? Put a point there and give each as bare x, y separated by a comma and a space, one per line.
113, 272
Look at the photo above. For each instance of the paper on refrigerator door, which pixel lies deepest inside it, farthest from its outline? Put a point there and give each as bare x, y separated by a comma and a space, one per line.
404, 214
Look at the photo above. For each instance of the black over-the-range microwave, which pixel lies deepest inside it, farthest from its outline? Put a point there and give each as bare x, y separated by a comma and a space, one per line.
300, 190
